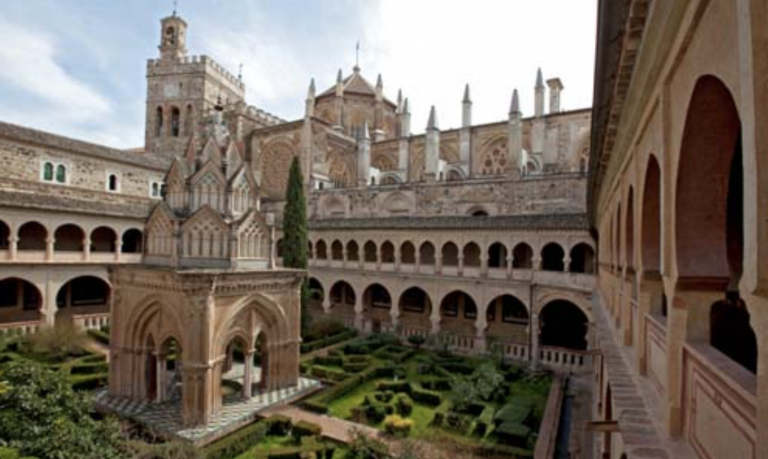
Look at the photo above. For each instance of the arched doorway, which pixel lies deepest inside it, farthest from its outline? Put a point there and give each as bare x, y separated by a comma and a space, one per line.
427, 254
233, 371
369, 252
458, 313
563, 324
552, 257
353, 251
343, 299
133, 241
582, 259
321, 251
377, 303
450, 254
522, 256
407, 253
169, 363
69, 238
5, 234
83, 295
387, 252
507, 319
103, 240
20, 301
337, 250
650, 250
415, 307
497, 256
32, 237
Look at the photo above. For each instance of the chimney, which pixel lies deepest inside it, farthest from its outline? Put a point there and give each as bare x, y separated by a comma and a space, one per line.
555, 88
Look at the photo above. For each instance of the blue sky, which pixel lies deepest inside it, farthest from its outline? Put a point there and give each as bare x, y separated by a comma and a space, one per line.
77, 67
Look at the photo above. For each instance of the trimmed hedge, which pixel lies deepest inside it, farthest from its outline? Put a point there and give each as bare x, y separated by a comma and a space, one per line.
328, 373
315, 406
351, 367
236, 443
89, 368
394, 386
404, 404
397, 426
305, 429
89, 381
329, 361
99, 336
278, 425
329, 341
426, 397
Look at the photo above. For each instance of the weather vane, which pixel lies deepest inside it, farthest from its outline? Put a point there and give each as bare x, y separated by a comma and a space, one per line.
175, 6
240, 73
357, 55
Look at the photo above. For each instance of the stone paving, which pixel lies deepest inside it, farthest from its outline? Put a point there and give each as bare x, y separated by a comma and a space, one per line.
165, 418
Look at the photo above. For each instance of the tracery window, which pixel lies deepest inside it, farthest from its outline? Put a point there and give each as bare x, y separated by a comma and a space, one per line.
495, 161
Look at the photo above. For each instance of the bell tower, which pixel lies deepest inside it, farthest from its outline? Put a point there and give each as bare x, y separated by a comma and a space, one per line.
173, 38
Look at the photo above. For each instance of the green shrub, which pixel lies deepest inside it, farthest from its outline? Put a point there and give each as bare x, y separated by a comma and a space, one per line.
99, 336
331, 374
305, 429
351, 367
440, 384
358, 359
285, 453
315, 406
394, 386
89, 368
417, 341
89, 382
397, 426
516, 412
278, 425
384, 397
404, 404
329, 361
426, 397
513, 434
481, 428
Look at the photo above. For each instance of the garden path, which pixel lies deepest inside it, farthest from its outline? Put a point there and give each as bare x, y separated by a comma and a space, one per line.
334, 428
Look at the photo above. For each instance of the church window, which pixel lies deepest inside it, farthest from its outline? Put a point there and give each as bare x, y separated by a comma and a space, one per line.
61, 173
494, 160
48, 171
159, 122
155, 190
112, 182
175, 122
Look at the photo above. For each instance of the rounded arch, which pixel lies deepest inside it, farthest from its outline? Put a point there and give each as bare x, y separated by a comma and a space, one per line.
103, 239
5, 235
370, 254
497, 255
553, 257
564, 324
321, 251
19, 293
427, 254
69, 238
478, 211
377, 296
387, 252
415, 300
472, 254
269, 316
522, 256
353, 251
316, 292
342, 294
650, 248
407, 253
337, 250
709, 188
450, 254
397, 204
582, 259
458, 304
133, 241
507, 309
84, 291
142, 326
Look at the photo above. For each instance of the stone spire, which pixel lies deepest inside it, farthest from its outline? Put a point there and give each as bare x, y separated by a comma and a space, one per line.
364, 156
432, 122
399, 108
310, 105
555, 88
379, 88
405, 126
339, 84
466, 108
539, 90
515, 136
514, 107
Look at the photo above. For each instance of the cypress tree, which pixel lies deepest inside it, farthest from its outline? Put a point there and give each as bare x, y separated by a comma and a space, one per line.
295, 238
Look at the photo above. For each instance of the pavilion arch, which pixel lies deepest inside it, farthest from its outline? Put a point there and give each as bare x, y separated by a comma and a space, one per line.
103, 239
582, 259
387, 252
133, 241
450, 254
377, 296
266, 314
650, 248
564, 324
353, 251
370, 254
458, 305
629, 232
342, 294
709, 187
316, 292
553, 257
407, 253
84, 291
16, 292
321, 250
141, 325
472, 254
497, 255
5, 234
427, 254
337, 250
414, 301
69, 238
522, 256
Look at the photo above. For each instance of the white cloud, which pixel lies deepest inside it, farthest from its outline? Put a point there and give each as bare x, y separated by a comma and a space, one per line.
28, 62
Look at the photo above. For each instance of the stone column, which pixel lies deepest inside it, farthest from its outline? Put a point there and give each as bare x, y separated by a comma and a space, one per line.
359, 313
327, 302
417, 261
534, 339
461, 264
434, 318
378, 258
159, 379
86, 248
484, 265
248, 374
49, 243
481, 325
397, 258
536, 264
344, 256
118, 249
566, 264
13, 247
510, 262
438, 262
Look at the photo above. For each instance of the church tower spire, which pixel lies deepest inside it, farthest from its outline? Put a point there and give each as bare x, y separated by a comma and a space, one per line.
173, 37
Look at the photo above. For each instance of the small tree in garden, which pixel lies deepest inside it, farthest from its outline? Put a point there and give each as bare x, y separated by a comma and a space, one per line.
295, 240
362, 446
417, 341
477, 387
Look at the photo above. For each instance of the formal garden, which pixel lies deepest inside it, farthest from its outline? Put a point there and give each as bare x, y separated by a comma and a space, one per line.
484, 404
